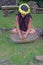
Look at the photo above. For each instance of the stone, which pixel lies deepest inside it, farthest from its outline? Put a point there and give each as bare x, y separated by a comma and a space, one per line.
40, 32
30, 38
33, 5
5, 62
39, 58
5, 13
31, 63
39, 63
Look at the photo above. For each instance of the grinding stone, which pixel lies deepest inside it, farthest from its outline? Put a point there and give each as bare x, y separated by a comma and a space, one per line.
30, 38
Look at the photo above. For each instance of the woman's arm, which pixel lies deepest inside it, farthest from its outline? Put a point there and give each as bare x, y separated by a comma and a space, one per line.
18, 29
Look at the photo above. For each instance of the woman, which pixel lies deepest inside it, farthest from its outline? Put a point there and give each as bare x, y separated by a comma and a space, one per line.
23, 22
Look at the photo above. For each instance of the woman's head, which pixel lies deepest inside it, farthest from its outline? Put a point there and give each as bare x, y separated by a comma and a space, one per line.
24, 9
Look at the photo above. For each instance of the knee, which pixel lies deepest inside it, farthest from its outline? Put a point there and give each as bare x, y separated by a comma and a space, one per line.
32, 31
14, 30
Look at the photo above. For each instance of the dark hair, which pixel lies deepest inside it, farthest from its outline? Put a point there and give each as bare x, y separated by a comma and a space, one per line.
25, 8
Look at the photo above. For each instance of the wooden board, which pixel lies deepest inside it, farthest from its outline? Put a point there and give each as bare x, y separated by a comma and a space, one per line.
10, 7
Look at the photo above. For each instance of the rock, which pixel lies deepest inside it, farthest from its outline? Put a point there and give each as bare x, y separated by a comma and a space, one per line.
40, 32
39, 63
39, 58
5, 62
30, 38
5, 13
33, 5
31, 63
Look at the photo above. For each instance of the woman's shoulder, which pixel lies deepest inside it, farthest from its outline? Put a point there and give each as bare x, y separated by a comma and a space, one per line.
29, 15
17, 14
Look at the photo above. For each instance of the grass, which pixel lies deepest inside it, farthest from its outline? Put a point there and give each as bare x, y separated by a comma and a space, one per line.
19, 54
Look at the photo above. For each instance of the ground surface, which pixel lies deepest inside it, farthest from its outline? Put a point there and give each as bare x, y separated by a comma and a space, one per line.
19, 54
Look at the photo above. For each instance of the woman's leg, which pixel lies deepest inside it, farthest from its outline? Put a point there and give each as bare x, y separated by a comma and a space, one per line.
32, 31
14, 31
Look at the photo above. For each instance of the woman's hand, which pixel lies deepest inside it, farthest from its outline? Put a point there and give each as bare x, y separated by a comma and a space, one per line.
21, 37
24, 36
